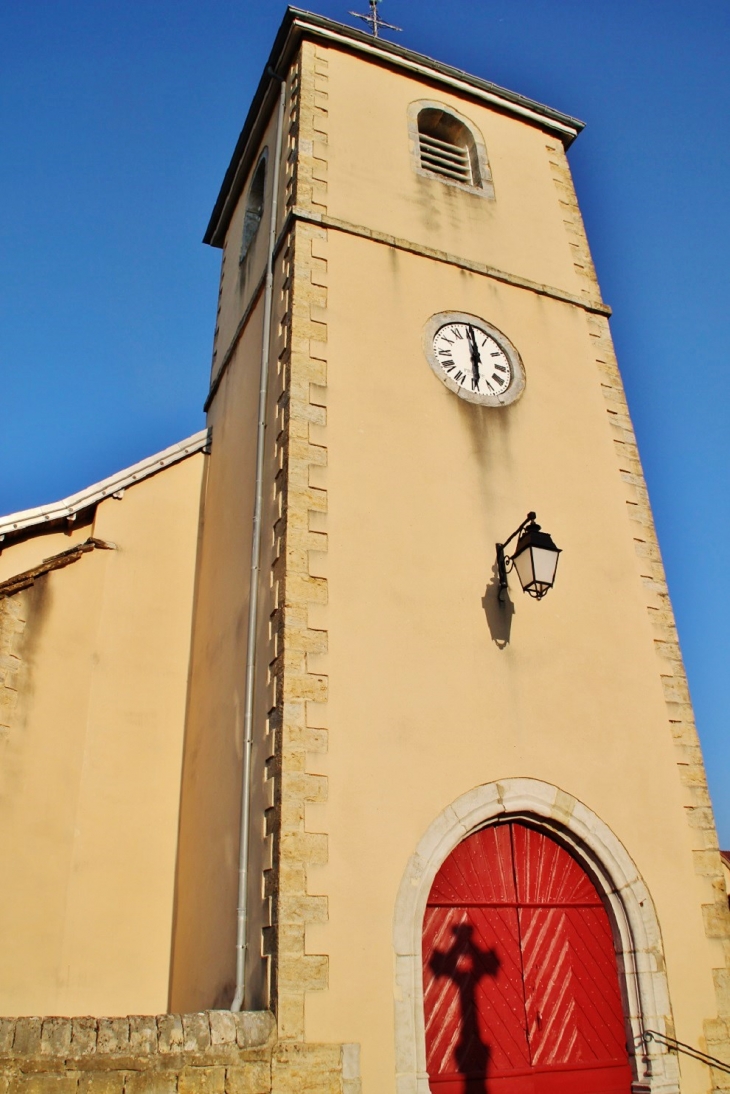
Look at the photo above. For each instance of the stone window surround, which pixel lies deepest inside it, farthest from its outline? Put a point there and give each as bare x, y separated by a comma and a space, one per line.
486, 187
594, 845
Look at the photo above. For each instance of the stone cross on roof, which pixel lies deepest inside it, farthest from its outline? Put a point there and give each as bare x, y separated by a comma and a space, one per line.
374, 19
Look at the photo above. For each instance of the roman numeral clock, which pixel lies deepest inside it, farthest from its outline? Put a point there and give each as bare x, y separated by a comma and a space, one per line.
473, 359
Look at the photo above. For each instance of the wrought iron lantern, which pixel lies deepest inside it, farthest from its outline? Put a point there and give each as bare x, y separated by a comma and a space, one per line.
535, 559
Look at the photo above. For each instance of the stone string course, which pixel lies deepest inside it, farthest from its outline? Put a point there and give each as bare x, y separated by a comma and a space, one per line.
680, 717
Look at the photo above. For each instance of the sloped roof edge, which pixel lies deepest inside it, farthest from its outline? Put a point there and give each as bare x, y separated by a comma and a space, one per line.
68, 507
297, 23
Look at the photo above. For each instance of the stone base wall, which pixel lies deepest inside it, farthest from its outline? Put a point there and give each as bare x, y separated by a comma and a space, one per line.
214, 1052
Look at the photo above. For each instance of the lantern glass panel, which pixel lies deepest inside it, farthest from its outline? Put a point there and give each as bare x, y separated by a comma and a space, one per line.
545, 563
525, 567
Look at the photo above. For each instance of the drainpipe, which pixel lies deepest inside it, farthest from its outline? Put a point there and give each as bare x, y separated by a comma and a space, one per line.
248, 700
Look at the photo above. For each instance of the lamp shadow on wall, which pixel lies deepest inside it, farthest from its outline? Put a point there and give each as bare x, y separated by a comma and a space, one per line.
499, 613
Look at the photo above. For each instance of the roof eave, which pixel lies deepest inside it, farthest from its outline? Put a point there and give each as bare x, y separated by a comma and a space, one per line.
44, 516
297, 23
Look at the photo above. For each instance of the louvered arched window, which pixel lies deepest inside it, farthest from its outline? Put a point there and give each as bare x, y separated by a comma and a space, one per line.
254, 206
448, 147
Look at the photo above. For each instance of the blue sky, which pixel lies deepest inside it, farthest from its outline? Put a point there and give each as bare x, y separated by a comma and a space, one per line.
118, 121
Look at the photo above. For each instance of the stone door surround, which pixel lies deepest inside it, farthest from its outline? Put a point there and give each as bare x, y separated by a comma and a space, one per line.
594, 845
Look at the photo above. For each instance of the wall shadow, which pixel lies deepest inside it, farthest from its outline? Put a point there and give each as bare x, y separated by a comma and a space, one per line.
499, 613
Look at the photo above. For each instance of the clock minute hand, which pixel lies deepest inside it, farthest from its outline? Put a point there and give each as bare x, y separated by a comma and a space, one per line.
476, 359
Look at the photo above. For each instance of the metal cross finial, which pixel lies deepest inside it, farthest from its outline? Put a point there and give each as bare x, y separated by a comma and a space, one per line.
374, 19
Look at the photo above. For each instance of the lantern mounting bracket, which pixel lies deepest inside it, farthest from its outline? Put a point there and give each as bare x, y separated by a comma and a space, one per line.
504, 561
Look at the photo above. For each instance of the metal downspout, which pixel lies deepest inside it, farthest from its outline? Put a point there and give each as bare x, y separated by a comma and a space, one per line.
248, 701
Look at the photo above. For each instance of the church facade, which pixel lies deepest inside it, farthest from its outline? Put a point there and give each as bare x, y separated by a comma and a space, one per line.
295, 774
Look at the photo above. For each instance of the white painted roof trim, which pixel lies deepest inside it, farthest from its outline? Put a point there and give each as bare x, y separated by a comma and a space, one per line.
115, 485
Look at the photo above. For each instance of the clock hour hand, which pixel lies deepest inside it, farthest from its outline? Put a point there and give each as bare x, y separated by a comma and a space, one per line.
476, 359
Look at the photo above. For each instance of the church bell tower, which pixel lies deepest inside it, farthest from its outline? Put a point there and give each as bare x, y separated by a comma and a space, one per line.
455, 836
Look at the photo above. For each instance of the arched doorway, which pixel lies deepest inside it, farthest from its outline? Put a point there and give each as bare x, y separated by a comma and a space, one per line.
520, 981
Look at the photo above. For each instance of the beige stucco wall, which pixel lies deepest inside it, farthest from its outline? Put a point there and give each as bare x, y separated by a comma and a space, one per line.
207, 884
388, 666
371, 181
203, 971
423, 704
90, 770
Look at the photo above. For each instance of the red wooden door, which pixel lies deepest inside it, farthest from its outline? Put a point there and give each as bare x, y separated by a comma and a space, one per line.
521, 992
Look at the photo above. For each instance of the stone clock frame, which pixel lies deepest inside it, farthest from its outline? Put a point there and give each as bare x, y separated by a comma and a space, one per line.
517, 385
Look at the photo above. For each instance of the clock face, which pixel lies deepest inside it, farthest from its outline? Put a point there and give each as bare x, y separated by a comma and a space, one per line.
473, 359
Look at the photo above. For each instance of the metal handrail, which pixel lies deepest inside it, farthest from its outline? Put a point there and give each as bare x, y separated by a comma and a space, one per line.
679, 1046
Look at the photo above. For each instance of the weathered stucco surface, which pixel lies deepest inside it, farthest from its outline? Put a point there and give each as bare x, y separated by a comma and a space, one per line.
402, 683
93, 664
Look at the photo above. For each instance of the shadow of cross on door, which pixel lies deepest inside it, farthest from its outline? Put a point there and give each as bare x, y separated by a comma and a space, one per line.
520, 978
465, 963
